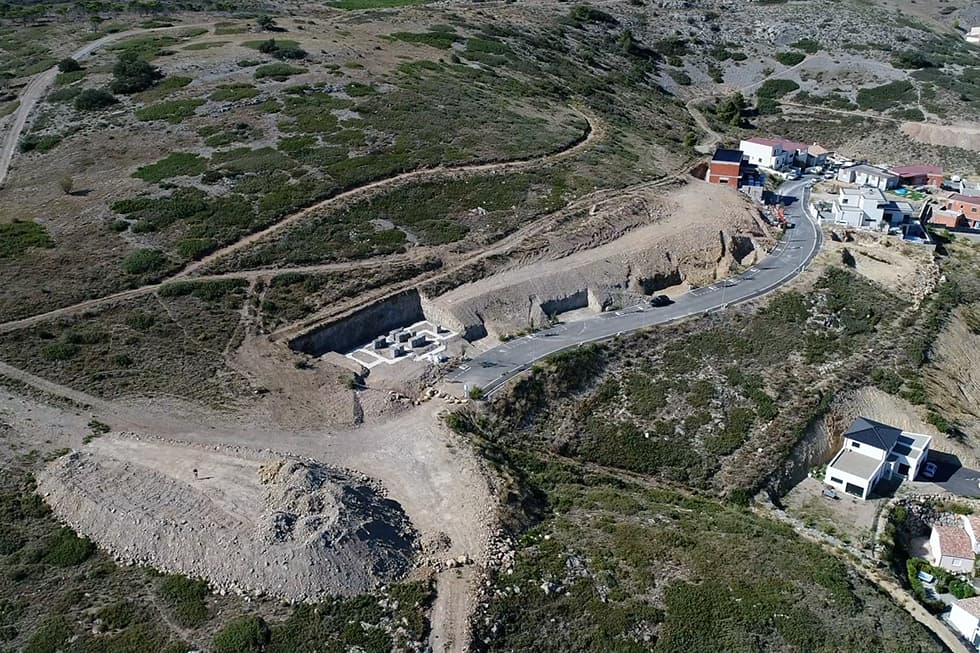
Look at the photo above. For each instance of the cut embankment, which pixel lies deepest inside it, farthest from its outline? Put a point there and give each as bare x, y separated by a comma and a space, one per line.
244, 521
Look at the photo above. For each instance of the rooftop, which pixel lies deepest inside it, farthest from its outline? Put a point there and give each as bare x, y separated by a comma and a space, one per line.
974, 522
817, 150
953, 541
960, 197
971, 605
784, 143
873, 433
871, 170
917, 170
856, 463
864, 191
727, 156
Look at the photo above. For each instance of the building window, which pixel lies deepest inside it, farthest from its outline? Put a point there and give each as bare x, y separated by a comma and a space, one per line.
722, 180
855, 445
836, 480
957, 563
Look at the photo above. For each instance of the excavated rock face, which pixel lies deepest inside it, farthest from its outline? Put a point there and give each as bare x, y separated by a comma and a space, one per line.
636, 246
246, 522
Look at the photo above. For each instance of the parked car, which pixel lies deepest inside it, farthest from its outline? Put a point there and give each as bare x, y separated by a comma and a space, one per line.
661, 300
929, 470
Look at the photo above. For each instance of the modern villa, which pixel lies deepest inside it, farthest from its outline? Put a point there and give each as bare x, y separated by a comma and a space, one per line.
872, 452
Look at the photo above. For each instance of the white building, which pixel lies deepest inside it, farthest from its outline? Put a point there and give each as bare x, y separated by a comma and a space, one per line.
772, 153
859, 207
964, 616
872, 452
973, 36
951, 549
971, 524
865, 175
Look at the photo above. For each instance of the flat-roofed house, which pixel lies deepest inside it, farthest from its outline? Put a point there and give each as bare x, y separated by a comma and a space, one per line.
865, 175
872, 452
725, 167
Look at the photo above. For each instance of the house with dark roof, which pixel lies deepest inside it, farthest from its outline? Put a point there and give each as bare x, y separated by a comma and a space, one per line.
729, 168
873, 452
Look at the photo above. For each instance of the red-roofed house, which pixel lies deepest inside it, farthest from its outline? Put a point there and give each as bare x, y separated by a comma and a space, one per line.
948, 219
919, 175
965, 204
773, 153
951, 549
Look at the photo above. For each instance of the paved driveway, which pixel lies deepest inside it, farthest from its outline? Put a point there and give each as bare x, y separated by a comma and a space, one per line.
952, 476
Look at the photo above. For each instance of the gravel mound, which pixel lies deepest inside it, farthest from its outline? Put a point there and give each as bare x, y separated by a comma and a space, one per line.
249, 523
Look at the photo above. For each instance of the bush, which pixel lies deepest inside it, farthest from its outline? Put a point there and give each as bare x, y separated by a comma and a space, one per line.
173, 111
886, 96
66, 549
19, 236
243, 635
776, 88
178, 164
144, 260
887, 380
93, 99
939, 422
59, 351
910, 60
281, 50
186, 596
277, 71
132, 74
809, 46
69, 65
476, 393
790, 58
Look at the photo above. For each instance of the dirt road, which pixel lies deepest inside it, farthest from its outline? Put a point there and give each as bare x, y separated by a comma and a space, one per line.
40, 83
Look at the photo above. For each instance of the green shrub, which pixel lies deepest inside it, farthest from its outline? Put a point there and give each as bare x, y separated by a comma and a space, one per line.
789, 58
206, 290
939, 422
476, 393
886, 96
886, 379
277, 71
132, 74
177, 164
140, 321
243, 635
19, 236
186, 597
94, 99
908, 60
144, 260
60, 351
66, 549
32, 143
776, 88
64, 94
69, 65
50, 636
173, 111
809, 46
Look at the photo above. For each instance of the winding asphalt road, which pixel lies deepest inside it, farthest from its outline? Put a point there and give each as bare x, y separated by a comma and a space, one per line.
494, 367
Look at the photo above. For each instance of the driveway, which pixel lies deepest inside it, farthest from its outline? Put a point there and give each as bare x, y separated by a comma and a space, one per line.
951, 476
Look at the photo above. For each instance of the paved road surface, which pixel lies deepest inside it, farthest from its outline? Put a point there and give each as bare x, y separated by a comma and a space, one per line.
491, 369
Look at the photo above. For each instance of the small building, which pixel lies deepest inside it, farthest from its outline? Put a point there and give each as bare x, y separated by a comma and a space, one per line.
969, 187
968, 205
919, 175
729, 168
419, 341
816, 155
865, 175
964, 616
381, 343
725, 167
948, 219
973, 36
773, 153
951, 549
872, 452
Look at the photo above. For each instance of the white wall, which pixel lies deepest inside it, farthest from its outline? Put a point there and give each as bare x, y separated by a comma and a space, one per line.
963, 621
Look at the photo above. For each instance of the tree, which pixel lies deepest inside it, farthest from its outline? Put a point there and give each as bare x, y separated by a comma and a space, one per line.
92, 99
266, 22
732, 110
131, 74
67, 184
69, 65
